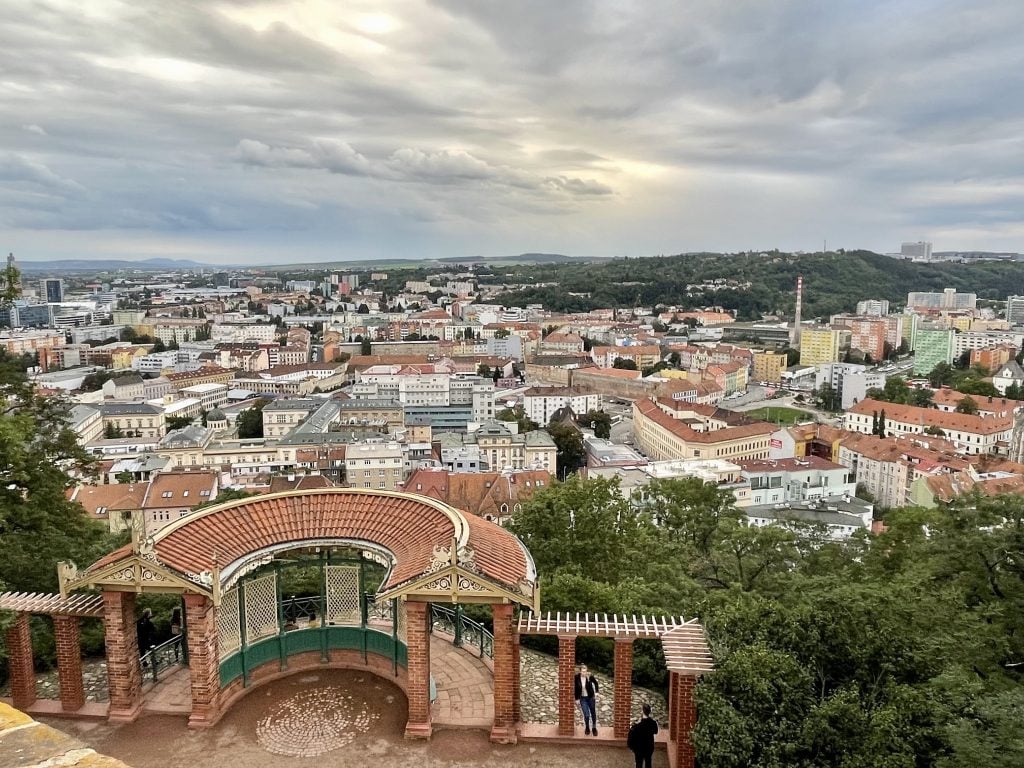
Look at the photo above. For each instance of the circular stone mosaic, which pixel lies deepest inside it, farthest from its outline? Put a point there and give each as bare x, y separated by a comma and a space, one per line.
313, 722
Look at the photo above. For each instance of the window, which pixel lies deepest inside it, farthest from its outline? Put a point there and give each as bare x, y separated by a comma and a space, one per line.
204, 493
167, 494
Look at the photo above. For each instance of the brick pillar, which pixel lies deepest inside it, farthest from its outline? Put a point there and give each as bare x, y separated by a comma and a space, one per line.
622, 712
417, 639
67, 635
684, 719
203, 660
517, 713
566, 673
503, 731
673, 704
21, 668
124, 672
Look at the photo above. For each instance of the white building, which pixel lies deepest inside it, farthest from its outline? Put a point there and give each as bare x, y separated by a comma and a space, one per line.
849, 380
796, 480
1015, 310
541, 403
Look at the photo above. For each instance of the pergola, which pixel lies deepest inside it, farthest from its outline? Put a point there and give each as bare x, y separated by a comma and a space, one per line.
686, 655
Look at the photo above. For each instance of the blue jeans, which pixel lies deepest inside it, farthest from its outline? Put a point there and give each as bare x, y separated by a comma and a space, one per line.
589, 709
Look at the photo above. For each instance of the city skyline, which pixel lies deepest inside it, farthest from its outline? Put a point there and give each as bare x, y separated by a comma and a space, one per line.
261, 132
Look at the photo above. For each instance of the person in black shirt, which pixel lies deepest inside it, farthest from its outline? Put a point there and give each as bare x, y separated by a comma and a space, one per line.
641, 738
147, 634
585, 691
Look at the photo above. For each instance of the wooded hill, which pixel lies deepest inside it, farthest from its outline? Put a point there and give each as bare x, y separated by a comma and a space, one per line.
833, 282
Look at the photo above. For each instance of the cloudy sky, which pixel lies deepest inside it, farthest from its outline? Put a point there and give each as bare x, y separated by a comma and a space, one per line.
251, 132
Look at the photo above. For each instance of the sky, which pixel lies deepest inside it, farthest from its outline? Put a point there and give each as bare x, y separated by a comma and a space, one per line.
247, 132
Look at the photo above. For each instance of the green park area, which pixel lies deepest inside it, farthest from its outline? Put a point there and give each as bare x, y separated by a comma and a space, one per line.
779, 415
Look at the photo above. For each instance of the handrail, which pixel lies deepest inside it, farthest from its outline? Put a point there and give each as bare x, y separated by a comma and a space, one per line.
463, 629
162, 657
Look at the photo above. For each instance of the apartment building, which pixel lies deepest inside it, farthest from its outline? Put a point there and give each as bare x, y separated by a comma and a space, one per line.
819, 346
496, 496
850, 381
375, 465
932, 346
776, 481
541, 403
172, 495
969, 433
768, 366
282, 416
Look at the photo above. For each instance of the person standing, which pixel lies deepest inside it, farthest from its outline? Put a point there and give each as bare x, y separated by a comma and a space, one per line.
641, 738
585, 690
147, 634
176, 630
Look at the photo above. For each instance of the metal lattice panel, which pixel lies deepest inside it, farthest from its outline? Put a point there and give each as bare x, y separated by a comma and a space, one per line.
260, 608
401, 620
229, 630
343, 594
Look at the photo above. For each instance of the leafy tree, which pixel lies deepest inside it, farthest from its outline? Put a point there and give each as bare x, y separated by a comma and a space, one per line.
967, 405
38, 525
110, 432
484, 370
159, 346
95, 381
228, 494
178, 422
827, 398
365, 347
935, 431
250, 421
363, 310
1013, 392
569, 442
518, 415
125, 477
941, 375
501, 333
624, 364
599, 421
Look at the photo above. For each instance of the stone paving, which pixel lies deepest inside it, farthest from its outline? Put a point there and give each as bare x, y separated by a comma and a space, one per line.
171, 695
314, 721
539, 696
465, 686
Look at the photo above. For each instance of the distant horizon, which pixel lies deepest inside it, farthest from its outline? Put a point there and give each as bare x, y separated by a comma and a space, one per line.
254, 133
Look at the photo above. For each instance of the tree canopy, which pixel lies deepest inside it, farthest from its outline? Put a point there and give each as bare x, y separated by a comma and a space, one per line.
900, 649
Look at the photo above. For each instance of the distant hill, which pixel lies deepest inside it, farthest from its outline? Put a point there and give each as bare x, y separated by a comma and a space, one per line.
108, 265
833, 282
522, 258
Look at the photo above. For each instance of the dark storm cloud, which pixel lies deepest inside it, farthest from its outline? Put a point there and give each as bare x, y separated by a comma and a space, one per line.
454, 126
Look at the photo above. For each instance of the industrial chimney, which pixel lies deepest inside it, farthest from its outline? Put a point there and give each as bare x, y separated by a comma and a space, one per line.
795, 335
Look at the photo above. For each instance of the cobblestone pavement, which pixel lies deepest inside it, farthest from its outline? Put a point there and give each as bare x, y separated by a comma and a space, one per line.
94, 676
465, 686
539, 696
159, 741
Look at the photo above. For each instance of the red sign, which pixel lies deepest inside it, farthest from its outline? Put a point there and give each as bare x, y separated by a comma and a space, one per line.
776, 443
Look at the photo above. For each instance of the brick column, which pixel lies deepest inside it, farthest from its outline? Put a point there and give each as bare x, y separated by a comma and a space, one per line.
684, 720
124, 672
517, 713
67, 635
203, 660
21, 668
566, 673
622, 711
673, 704
503, 731
417, 639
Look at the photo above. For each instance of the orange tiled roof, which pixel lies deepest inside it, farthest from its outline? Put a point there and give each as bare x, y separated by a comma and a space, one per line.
911, 414
406, 525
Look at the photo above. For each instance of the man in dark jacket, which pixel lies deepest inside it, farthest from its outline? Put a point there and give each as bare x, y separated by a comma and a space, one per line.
147, 634
585, 691
641, 738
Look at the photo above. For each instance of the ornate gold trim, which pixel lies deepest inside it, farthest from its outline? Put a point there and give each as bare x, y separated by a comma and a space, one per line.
135, 573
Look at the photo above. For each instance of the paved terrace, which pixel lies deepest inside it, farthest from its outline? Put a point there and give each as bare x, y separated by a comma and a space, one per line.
346, 718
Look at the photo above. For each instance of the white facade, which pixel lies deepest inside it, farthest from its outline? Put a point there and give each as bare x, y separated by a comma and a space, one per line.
243, 332
375, 465
541, 403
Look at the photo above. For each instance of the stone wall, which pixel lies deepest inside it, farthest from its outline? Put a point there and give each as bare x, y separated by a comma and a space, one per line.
23, 741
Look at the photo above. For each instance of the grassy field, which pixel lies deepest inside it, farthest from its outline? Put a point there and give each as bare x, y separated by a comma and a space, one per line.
779, 415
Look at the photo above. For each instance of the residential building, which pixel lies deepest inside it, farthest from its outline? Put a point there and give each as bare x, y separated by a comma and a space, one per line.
948, 299
209, 395
873, 307
768, 366
819, 346
501, 448
172, 495
993, 357
379, 465
124, 388
86, 422
496, 496
850, 381
1015, 310
114, 504
841, 517
775, 481
52, 290
969, 433
541, 403
931, 347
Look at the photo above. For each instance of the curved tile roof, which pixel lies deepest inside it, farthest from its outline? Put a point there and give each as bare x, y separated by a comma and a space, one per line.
407, 525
